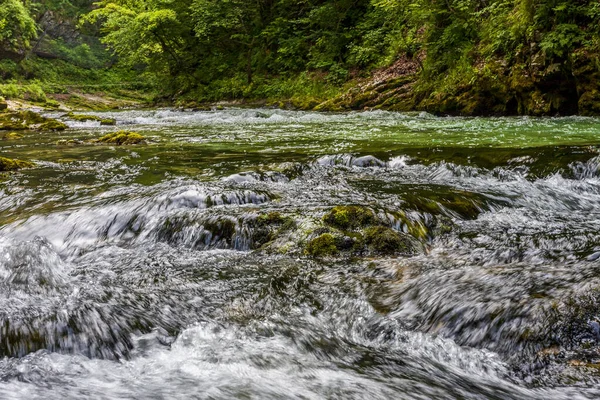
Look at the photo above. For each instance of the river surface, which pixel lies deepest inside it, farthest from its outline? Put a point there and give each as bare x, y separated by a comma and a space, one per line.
178, 269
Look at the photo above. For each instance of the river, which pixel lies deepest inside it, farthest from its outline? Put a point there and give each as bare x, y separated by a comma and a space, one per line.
179, 268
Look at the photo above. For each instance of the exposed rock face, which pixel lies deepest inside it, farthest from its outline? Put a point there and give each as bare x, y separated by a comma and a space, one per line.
532, 86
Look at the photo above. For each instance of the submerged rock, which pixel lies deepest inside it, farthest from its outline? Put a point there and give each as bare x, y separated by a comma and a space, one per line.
69, 142
122, 138
8, 164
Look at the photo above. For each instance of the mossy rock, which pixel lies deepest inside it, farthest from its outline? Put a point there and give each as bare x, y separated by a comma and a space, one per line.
589, 103
12, 136
8, 164
108, 122
384, 240
86, 118
83, 117
20, 120
52, 125
304, 103
221, 229
3, 104
350, 217
23, 120
121, 138
322, 246
267, 227
352, 242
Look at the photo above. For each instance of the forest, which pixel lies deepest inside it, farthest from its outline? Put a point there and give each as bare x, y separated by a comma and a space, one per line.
463, 57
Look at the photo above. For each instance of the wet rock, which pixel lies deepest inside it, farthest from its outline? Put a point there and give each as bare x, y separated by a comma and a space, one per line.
108, 122
8, 164
86, 118
22, 120
83, 117
52, 125
350, 217
12, 136
383, 240
268, 227
351, 242
121, 138
367, 161
322, 246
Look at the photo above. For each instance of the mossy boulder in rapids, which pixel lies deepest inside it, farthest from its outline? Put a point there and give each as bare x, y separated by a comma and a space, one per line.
349, 217
267, 227
7, 164
122, 138
384, 240
52, 125
23, 120
85, 118
322, 246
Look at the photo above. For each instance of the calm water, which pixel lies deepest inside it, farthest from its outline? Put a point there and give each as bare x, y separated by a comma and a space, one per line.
144, 271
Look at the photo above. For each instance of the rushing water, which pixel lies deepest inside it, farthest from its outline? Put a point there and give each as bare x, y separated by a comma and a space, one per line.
143, 271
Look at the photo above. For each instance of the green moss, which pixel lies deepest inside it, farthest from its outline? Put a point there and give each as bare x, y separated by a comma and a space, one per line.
268, 226
83, 117
8, 164
589, 103
270, 218
22, 120
12, 136
51, 104
121, 138
52, 125
304, 103
322, 246
383, 240
349, 217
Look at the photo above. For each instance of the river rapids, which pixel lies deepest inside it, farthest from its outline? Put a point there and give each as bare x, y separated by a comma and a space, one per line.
189, 267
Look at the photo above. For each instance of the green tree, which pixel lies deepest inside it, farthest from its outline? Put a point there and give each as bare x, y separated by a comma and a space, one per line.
17, 28
152, 33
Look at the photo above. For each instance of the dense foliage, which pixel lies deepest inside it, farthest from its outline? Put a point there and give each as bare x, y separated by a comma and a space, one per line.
473, 56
